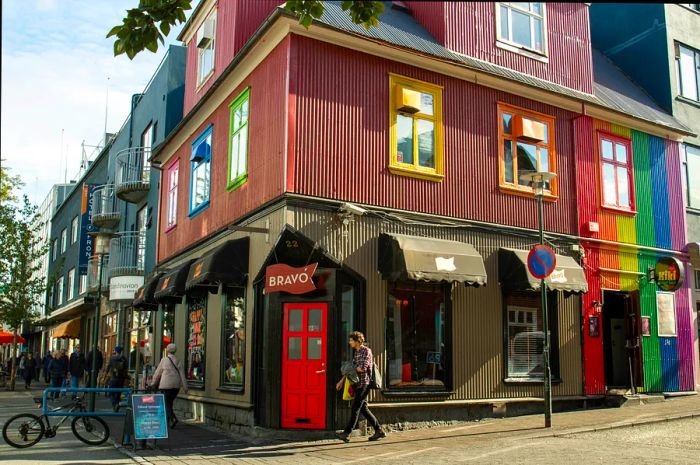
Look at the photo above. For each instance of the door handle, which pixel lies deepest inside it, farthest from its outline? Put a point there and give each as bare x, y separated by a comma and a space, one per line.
320, 371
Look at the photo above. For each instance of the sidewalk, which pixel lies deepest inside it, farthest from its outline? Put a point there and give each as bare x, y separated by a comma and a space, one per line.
195, 443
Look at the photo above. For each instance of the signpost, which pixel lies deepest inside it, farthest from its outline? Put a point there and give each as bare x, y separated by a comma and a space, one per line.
150, 419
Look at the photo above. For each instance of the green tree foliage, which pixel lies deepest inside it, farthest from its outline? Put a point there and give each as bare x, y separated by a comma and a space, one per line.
23, 288
150, 23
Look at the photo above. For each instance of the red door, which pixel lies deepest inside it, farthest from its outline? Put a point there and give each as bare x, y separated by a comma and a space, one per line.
304, 366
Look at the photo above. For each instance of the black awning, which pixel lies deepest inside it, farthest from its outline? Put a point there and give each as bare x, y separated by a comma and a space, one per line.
427, 259
568, 276
143, 298
171, 286
227, 264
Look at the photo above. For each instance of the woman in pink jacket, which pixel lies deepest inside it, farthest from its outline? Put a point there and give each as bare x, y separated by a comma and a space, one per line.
169, 377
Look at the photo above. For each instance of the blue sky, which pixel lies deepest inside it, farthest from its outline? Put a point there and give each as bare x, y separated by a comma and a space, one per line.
57, 69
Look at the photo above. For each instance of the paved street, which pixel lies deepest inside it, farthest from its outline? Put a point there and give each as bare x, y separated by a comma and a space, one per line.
665, 431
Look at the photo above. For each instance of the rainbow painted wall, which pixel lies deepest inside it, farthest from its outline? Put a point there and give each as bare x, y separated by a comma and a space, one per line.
659, 222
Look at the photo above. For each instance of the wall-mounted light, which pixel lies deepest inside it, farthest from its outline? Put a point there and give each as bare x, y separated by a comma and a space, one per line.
651, 274
597, 306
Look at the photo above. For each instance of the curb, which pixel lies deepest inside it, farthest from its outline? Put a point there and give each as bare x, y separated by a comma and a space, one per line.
132, 455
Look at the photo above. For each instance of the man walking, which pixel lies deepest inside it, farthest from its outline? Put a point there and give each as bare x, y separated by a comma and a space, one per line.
77, 366
57, 370
98, 366
46, 361
118, 371
29, 370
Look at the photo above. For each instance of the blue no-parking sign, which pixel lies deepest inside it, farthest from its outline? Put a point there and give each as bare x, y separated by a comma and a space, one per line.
541, 261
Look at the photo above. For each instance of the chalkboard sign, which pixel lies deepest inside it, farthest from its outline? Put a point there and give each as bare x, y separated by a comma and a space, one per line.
150, 421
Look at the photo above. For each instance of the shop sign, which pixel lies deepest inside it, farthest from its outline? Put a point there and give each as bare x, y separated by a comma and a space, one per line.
669, 274
283, 277
124, 287
149, 416
87, 243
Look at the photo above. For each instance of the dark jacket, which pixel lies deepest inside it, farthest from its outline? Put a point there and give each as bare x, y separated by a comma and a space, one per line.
58, 367
77, 364
88, 361
118, 368
46, 360
29, 368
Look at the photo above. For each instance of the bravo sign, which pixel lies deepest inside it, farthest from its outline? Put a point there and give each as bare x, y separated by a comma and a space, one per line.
283, 277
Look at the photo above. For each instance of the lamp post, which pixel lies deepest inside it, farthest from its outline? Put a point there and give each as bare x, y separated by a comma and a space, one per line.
538, 180
101, 249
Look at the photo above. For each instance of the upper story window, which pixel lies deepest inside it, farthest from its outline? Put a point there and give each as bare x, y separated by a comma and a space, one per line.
415, 128
206, 40
74, 230
616, 178
59, 291
692, 166
688, 71
200, 184
173, 172
70, 284
238, 148
522, 24
147, 139
54, 250
526, 145
64, 240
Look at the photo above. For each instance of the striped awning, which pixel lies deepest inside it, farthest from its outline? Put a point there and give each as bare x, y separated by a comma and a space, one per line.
68, 330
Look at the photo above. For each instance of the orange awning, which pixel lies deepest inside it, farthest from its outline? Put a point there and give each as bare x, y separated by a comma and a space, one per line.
68, 330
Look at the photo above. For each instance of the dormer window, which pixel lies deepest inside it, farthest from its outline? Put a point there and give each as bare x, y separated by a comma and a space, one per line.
522, 25
205, 41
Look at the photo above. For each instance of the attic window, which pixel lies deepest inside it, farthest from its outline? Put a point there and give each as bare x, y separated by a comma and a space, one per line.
522, 25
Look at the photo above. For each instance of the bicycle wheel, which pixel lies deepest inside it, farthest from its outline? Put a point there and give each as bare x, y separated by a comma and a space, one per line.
23, 430
91, 430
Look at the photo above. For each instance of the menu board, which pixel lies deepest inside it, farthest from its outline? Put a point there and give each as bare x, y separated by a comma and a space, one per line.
666, 311
150, 420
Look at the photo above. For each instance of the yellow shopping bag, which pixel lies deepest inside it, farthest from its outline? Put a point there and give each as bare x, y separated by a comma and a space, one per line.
348, 391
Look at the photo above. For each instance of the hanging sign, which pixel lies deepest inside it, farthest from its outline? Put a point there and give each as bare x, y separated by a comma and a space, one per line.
669, 274
541, 261
150, 421
283, 277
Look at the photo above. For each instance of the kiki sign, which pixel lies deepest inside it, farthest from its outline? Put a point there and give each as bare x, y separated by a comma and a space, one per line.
283, 277
669, 274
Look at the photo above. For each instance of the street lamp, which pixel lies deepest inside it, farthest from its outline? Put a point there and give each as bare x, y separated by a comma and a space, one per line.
101, 239
538, 180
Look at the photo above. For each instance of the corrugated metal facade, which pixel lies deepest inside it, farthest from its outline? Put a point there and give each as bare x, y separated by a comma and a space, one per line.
342, 137
659, 222
236, 23
470, 28
265, 158
477, 313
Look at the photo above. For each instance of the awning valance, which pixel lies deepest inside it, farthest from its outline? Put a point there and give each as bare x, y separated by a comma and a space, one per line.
404, 257
171, 286
568, 276
227, 264
144, 298
68, 330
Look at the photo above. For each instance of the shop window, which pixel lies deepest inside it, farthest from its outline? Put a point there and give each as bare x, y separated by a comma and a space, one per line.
196, 339
522, 25
417, 349
167, 327
200, 184
173, 173
206, 40
525, 336
526, 146
238, 141
109, 334
415, 133
348, 321
140, 346
616, 180
234, 339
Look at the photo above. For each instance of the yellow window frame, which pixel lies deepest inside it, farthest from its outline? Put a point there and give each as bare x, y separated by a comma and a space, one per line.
415, 170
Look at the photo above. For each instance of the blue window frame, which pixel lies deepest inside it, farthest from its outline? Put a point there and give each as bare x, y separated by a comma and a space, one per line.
200, 182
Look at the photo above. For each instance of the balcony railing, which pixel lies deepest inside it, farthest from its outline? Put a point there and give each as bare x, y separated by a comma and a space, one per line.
133, 177
93, 273
127, 252
105, 213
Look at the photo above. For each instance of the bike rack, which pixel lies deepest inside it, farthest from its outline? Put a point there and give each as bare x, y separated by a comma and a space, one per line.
63, 413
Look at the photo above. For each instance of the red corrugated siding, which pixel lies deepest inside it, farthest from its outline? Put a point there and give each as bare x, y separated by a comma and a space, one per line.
236, 21
342, 140
266, 156
470, 28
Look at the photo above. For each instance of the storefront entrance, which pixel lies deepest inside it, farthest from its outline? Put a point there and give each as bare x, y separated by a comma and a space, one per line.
621, 339
304, 365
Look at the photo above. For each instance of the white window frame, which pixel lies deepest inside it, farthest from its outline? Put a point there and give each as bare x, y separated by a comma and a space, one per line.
204, 74
54, 247
514, 308
70, 289
59, 291
690, 175
74, 228
147, 138
64, 240
500, 37
173, 174
679, 75
82, 287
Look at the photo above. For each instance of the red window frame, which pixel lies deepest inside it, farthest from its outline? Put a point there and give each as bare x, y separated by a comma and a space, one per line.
628, 165
171, 203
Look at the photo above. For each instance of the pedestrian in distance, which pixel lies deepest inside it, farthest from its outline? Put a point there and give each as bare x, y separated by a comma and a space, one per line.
58, 367
45, 362
88, 361
20, 365
77, 366
169, 377
29, 370
363, 363
118, 371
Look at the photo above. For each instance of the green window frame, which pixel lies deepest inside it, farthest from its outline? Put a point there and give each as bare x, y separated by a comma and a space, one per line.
238, 141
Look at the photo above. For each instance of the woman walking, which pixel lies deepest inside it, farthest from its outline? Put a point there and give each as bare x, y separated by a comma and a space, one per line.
362, 361
169, 377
